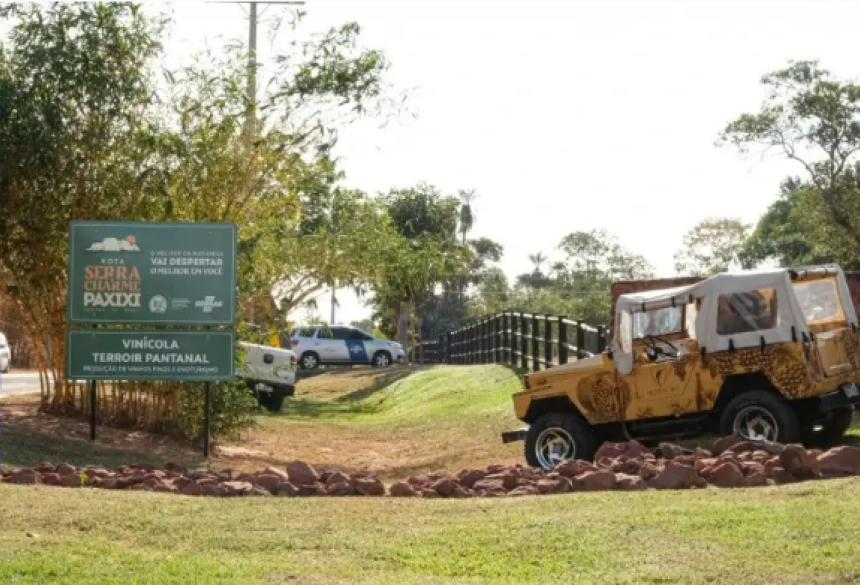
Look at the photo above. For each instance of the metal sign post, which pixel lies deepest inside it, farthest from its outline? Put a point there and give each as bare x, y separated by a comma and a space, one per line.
160, 273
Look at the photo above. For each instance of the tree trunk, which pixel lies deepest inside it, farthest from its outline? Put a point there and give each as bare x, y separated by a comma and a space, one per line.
403, 326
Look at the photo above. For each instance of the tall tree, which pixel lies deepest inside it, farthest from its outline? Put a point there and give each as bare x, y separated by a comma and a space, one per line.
812, 118
711, 246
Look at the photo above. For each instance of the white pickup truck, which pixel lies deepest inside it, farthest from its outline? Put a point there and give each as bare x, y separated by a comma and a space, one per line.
269, 373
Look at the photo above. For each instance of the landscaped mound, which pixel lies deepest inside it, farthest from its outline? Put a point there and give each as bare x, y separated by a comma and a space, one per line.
732, 462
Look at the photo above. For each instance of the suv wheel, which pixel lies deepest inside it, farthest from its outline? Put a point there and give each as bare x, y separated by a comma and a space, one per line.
557, 437
382, 359
309, 361
760, 414
830, 433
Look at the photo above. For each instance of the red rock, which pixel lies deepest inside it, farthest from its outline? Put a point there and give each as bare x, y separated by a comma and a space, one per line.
463, 492
45, 467
614, 450
669, 451
66, 469
594, 481
723, 443
605, 462
140, 487
676, 476
191, 489
258, 492
340, 489
751, 467
445, 486
71, 480
300, 473
50, 478
368, 486
562, 485
648, 470
726, 475
755, 479
334, 477
23, 477
508, 479
799, 462
628, 467
428, 493
840, 461
280, 473
704, 463
496, 469
781, 476
168, 488
401, 489
770, 465
526, 490
181, 482
268, 482
420, 481
238, 488
489, 484
311, 490
760, 456
629, 482
287, 489
573, 467
105, 483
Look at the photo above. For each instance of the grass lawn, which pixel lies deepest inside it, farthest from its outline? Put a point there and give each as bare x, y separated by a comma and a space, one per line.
804, 533
396, 422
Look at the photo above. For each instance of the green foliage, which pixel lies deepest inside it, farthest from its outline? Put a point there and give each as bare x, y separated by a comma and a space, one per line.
712, 246
813, 119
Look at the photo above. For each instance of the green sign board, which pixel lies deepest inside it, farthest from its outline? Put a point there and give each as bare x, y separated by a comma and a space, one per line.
150, 272
151, 355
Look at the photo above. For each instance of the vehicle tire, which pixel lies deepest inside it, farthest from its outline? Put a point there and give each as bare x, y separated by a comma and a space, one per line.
272, 402
831, 431
309, 361
381, 359
760, 414
556, 437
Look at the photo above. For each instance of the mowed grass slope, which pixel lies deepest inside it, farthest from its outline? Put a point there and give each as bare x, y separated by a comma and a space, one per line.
394, 422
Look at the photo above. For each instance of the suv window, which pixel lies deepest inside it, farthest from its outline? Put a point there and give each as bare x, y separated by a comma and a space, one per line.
660, 322
303, 332
341, 333
358, 334
818, 300
747, 312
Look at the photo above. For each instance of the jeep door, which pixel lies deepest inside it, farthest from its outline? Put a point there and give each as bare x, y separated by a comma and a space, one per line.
662, 388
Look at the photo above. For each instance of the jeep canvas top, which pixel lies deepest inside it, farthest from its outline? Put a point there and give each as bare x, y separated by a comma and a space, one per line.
766, 354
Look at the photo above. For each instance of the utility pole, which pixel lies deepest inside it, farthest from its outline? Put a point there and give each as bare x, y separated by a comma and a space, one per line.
250, 120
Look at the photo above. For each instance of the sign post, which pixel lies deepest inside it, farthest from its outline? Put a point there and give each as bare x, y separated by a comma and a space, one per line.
152, 274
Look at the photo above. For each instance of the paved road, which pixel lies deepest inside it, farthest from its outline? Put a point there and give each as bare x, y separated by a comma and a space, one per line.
18, 383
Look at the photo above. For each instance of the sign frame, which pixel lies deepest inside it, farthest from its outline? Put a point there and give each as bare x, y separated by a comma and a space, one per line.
229, 375
73, 297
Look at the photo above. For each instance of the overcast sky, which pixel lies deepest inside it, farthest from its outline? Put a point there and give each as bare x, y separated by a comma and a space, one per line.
570, 115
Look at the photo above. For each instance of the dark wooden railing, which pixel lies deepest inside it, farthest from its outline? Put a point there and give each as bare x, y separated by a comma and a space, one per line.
523, 340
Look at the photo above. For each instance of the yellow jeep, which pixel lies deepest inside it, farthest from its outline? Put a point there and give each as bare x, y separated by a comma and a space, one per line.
771, 355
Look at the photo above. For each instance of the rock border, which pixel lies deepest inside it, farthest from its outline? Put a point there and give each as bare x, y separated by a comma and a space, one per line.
731, 462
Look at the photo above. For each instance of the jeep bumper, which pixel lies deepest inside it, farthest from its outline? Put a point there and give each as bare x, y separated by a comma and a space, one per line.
513, 436
847, 397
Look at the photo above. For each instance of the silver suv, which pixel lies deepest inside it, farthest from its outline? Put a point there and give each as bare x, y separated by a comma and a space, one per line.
318, 345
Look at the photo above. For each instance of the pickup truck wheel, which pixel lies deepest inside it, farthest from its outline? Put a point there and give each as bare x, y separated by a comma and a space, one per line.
309, 361
831, 431
273, 402
557, 437
760, 414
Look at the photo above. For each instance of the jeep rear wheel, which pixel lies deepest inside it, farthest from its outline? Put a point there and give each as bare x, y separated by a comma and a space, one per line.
830, 432
557, 437
760, 415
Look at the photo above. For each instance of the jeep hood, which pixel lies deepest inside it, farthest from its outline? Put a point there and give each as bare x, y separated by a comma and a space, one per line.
583, 364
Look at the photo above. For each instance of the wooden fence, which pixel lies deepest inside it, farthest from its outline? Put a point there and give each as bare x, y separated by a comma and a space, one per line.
530, 342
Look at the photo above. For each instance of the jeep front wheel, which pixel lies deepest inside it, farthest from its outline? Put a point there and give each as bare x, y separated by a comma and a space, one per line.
557, 437
760, 415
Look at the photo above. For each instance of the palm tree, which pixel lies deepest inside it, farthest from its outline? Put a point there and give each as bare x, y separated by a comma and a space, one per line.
467, 214
538, 261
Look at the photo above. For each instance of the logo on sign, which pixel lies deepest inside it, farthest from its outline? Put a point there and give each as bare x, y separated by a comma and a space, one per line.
209, 303
178, 304
158, 304
129, 244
